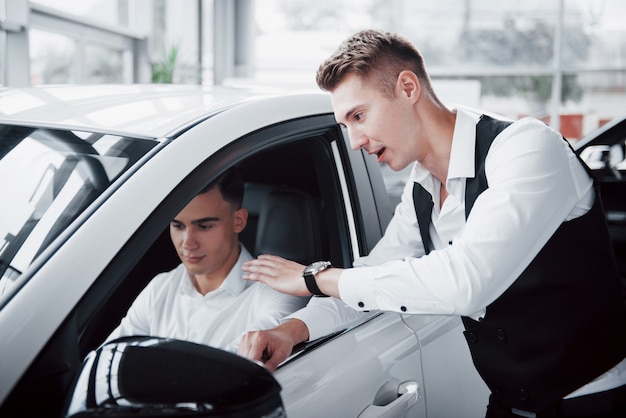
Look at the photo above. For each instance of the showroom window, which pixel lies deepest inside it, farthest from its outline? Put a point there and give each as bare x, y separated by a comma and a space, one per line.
66, 47
504, 57
51, 57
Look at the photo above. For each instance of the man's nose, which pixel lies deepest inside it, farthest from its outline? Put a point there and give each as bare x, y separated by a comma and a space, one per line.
189, 239
357, 139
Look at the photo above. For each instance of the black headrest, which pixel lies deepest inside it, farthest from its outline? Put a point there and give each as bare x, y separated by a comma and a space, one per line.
289, 226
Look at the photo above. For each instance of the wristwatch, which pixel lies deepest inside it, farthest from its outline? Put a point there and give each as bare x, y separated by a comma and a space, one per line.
309, 276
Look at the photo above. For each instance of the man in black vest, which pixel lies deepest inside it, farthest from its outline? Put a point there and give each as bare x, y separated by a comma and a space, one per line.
500, 223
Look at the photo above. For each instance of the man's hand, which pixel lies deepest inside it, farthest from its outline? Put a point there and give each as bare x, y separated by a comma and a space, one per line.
278, 273
271, 347
285, 276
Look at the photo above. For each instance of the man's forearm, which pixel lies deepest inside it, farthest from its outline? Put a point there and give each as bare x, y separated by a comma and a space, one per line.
328, 281
295, 328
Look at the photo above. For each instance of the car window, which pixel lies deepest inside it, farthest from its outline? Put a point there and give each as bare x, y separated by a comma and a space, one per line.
610, 158
305, 165
48, 178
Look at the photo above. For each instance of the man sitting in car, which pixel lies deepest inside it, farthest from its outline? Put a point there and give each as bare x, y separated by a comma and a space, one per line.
205, 299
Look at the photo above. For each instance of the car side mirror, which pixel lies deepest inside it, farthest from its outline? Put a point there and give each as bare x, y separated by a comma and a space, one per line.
159, 377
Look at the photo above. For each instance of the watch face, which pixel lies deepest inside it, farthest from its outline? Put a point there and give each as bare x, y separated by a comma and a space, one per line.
316, 267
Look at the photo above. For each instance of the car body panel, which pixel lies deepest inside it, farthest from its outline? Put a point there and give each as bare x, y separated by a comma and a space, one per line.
150, 110
373, 379
453, 386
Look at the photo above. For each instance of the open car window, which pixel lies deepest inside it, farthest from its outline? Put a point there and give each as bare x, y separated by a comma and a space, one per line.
307, 168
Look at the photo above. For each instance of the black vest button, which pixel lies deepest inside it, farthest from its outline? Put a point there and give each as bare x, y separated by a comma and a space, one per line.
472, 338
501, 335
403, 308
523, 395
361, 304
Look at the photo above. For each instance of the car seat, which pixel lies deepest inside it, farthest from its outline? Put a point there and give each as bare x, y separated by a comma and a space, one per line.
288, 226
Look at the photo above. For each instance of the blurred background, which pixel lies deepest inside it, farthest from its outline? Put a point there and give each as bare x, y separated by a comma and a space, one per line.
563, 61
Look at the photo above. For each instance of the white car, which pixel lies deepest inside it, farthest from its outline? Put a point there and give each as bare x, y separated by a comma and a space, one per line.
91, 176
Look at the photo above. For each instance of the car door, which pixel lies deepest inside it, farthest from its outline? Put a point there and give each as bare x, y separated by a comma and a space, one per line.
372, 369
603, 150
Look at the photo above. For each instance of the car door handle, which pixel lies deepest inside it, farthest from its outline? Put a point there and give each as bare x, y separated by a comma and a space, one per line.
408, 394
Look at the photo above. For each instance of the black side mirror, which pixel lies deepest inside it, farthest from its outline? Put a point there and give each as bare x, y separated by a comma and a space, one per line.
158, 377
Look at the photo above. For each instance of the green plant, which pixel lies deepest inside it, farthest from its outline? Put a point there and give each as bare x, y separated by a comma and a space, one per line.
163, 71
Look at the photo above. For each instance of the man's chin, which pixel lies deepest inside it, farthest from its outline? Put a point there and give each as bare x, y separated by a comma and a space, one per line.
396, 167
194, 269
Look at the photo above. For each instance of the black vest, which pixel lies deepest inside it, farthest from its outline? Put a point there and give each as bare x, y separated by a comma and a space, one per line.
562, 323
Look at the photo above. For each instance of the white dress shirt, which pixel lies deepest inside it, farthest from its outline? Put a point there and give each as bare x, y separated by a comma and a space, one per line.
533, 187
171, 307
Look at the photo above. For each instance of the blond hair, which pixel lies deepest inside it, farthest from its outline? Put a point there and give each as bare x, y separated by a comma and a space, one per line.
378, 58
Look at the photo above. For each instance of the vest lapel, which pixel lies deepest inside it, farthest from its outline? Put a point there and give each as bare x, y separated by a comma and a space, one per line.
423, 202
486, 131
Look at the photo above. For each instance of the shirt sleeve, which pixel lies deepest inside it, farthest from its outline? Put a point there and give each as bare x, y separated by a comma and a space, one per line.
325, 316
269, 308
530, 171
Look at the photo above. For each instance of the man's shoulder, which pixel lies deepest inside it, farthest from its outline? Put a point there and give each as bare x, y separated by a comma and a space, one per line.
529, 123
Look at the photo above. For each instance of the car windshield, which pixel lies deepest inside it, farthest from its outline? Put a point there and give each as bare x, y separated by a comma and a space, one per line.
48, 177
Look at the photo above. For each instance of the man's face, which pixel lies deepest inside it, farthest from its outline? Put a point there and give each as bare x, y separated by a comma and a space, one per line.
205, 234
379, 125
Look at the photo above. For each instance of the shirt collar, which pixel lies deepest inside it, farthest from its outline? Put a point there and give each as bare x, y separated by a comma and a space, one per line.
234, 282
462, 155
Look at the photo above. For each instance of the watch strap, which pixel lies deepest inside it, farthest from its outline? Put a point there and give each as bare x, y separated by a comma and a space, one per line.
311, 285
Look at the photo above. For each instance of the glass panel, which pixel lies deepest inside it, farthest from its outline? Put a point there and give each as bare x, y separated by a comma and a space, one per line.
507, 49
51, 58
48, 178
103, 65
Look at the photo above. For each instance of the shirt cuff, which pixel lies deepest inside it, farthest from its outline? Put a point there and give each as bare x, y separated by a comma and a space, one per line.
324, 316
356, 288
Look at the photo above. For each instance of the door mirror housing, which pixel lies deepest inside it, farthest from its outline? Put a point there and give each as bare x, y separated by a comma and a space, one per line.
160, 377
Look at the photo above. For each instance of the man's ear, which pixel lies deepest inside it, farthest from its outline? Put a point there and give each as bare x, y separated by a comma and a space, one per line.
409, 84
241, 219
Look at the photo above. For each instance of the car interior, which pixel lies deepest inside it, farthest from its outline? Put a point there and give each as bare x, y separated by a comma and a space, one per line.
293, 212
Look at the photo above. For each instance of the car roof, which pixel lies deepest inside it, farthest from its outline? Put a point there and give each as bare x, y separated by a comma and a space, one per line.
148, 110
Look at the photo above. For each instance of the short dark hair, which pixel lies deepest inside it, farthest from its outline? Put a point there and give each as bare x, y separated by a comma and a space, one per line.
230, 185
377, 57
